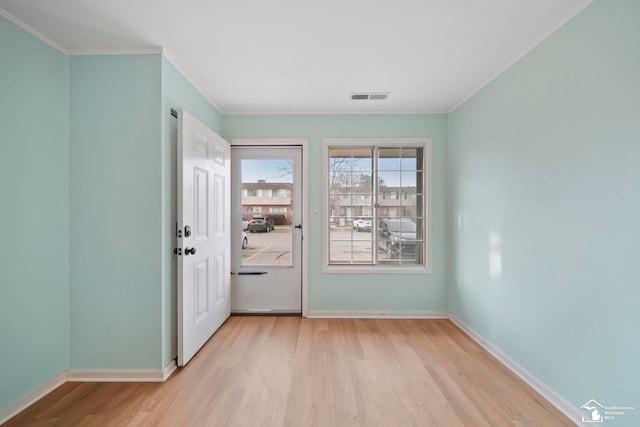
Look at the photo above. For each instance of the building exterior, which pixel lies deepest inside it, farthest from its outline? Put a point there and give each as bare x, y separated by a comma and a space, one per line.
392, 202
268, 198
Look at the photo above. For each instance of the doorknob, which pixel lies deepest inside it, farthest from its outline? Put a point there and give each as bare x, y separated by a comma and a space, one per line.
299, 226
188, 251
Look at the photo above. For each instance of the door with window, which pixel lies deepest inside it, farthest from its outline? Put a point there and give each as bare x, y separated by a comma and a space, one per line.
267, 254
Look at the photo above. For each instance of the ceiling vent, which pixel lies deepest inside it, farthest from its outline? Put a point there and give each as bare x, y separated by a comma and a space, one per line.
369, 96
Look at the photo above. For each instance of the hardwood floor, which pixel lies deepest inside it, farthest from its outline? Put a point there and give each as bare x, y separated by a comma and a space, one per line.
290, 371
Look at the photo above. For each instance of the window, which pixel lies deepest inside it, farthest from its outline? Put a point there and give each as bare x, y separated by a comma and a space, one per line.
281, 192
377, 202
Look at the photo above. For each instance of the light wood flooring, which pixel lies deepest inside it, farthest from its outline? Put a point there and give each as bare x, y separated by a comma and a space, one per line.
291, 371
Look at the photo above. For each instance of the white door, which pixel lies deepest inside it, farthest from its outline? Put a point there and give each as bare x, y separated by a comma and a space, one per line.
267, 191
204, 229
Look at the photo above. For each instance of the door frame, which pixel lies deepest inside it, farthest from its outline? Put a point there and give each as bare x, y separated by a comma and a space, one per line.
284, 142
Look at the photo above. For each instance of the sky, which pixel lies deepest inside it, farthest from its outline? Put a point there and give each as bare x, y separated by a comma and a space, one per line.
279, 170
270, 170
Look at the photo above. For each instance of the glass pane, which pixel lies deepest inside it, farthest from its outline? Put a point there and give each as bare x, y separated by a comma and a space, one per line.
399, 240
341, 223
351, 202
362, 159
409, 161
267, 211
388, 179
389, 159
340, 251
362, 252
362, 182
409, 179
340, 159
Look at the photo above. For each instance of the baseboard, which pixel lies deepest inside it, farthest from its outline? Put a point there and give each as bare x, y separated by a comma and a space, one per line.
376, 315
147, 375
562, 405
169, 369
32, 397
137, 376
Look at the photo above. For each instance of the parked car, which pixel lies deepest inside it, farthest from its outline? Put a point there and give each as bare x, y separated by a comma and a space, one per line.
397, 236
362, 223
245, 224
261, 223
245, 241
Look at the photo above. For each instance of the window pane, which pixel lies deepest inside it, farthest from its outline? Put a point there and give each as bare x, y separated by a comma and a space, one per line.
267, 213
362, 182
409, 158
389, 159
388, 179
398, 240
409, 178
363, 160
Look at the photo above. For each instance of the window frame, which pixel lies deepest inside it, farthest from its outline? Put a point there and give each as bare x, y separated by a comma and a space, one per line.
425, 144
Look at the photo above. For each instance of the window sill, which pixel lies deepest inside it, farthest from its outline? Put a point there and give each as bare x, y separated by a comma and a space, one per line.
366, 269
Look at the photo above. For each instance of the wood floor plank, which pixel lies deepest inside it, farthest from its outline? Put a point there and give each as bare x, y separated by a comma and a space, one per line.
289, 371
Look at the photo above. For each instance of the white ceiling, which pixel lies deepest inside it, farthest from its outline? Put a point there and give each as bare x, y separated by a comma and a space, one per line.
302, 56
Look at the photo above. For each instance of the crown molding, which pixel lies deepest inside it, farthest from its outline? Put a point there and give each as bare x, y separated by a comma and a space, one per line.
169, 58
337, 113
522, 54
4, 13
98, 52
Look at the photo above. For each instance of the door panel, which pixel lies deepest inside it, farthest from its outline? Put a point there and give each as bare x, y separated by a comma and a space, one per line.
267, 191
204, 230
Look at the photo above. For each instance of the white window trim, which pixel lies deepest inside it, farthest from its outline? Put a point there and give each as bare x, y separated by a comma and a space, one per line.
424, 143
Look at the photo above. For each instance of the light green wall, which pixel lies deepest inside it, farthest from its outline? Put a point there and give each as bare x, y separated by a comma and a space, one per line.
546, 158
116, 212
34, 212
177, 93
362, 292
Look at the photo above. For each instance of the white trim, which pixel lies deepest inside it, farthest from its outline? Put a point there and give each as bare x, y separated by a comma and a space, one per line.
524, 53
552, 397
141, 375
374, 269
169, 58
304, 143
315, 314
169, 369
269, 141
407, 142
337, 113
32, 31
32, 397
106, 52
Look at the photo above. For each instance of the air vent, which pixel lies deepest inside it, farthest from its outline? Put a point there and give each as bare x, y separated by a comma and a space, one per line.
370, 96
